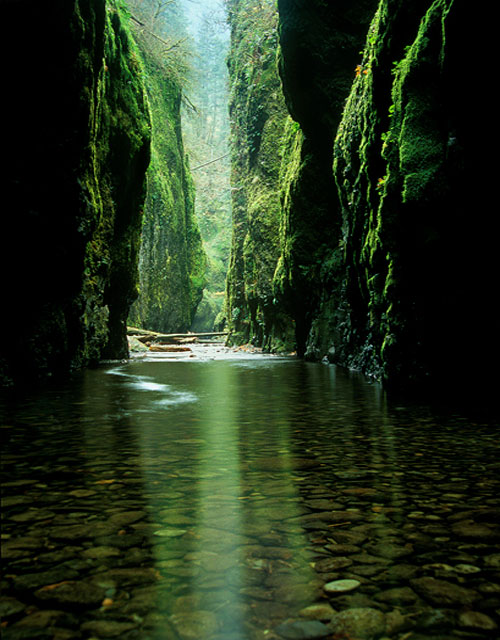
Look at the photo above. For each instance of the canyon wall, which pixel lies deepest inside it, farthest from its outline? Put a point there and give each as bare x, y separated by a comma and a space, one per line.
77, 143
379, 265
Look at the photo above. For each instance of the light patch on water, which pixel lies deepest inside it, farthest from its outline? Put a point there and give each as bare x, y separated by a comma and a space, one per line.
177, 397
146, 383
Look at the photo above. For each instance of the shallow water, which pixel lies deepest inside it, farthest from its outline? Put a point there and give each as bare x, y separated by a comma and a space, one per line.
213, 497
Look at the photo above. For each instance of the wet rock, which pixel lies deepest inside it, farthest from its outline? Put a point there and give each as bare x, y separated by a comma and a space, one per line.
466, 569
349, 537
321, 611
32, 515
332, 564
82, 493
398, 572
195, 624
126, 518
10, 606
35, 580
72, 593
100, 553
398, 595
127, 576
396, 622
323, 504
473, 531
361, 623
107, 628
302, 630
75, 532
59, 555
342, 549
434, 620
341, 586
28, 633
492, 561
477, 621
443, 593
42, 619
121, 541
170, 533
389, 550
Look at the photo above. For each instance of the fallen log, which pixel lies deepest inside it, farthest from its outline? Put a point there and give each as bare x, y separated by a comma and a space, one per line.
167, 348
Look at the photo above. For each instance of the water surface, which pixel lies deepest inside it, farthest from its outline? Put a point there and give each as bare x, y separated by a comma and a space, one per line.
213, 497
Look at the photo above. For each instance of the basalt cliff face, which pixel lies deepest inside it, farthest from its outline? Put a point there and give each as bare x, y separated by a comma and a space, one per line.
172, 260
258, 120
378, 265
82, 169
78, 147
77, 141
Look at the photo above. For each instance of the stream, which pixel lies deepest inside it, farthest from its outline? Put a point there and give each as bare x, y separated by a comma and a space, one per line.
225, 495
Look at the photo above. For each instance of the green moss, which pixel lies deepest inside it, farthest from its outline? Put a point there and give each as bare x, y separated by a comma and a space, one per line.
258, 117
394, 175
77, 180
172, 260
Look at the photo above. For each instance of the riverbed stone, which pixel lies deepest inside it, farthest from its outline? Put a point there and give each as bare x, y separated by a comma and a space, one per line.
194, 625
107, 628
477, 621
362, 623
398, 595
302, 630
341, 586
10, 606
443, 593
332, 564
83, 593
100, 553
320, 611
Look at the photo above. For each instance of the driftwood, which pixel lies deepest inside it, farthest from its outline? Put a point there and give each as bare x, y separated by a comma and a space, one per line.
167, 348
146, 336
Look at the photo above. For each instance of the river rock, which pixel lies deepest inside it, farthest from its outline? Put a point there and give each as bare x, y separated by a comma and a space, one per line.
475, 620
302, 630
341, 586
194, 625
72, 593
443, 593
9, 607
361, 623
492, 561
331, 564
320, 611
107, 628
473, 531
398, 595
99, 553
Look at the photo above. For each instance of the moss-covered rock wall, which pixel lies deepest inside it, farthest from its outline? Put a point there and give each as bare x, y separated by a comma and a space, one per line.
415, 277
378, 264
258, 121
402, 273
172, 260
77, 136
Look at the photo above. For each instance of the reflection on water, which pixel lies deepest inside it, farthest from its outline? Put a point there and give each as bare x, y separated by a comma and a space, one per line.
232, 497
